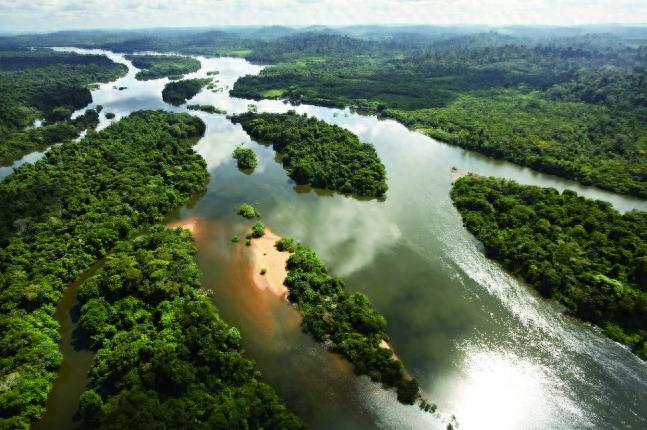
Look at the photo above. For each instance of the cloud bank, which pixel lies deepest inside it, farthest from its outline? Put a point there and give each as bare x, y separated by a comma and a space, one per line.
48, 15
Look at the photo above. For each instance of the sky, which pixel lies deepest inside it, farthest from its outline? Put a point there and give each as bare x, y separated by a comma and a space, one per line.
50, 15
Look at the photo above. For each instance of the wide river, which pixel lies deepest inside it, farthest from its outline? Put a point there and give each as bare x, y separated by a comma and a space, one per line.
483, 345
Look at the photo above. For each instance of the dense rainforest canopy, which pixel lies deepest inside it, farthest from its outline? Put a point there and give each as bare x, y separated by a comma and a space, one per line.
345, 323
164, 358
178, 92
317, 153
571, 102
64, 212
577, 109
160, 66
47, 85
579, 251
568, 103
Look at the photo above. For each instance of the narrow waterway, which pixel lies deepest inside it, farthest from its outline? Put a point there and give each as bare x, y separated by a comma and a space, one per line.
483, 345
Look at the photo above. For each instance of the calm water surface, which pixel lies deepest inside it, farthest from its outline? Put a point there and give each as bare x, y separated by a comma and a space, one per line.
482, 344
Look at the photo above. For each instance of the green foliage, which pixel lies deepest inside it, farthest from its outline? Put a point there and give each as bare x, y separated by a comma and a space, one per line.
286, 244
179, 92
585, 142
160, 66
317, 153
50, 85
235, 239
258, 230
110, 115
579, 251
207, 109
346, 323
64, 212
42, 137
164, 357
248, 211
245, 158
573, 108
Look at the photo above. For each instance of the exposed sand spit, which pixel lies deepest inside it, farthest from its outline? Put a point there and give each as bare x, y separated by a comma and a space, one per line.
265, 256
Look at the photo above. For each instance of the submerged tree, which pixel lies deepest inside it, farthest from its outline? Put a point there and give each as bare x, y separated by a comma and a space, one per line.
245, 158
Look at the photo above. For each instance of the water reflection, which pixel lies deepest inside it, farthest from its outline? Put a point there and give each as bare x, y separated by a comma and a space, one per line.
28, 158
353, 231
482, 344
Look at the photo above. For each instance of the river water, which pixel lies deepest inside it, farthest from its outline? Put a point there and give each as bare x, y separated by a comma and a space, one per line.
483, 345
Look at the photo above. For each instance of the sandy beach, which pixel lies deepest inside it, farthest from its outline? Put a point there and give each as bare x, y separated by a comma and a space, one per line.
265, 256
189, 224
457, 174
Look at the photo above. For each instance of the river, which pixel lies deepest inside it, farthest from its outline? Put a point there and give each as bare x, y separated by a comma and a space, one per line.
484, 346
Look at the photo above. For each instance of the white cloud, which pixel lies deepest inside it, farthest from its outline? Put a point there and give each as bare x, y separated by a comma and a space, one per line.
45, 15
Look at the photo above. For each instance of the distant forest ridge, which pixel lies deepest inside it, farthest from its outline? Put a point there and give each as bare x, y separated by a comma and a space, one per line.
569, 101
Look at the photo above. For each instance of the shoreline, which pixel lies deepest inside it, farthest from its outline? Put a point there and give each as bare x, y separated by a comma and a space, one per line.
263, 255
188, 224
457, 174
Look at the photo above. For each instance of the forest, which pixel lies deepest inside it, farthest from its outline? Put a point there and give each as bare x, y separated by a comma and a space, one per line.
164, 358
579, 251
576, 108
570, 102
319, 154
161, 66
49, 85
345, 323
63, 213
178, 92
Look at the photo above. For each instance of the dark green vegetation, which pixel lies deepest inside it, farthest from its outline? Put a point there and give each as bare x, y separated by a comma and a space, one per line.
574, 107
345, 323
178, 92
245, 158
60, 215
286, 244
165, 359
579, 251
248, 211
258, 230
207, 109
567, 101
317, 153
160, 66
47, 85
21, 141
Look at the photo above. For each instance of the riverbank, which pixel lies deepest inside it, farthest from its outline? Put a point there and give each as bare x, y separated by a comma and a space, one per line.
188, 224
264, 255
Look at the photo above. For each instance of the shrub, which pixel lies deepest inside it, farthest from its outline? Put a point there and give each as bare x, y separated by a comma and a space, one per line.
286, 244
245, 158
248, 211
258, 230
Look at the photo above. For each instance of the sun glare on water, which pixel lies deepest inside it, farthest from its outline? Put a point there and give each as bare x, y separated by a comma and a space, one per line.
501, 390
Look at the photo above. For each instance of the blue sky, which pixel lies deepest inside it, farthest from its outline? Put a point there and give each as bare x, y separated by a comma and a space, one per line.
47, 15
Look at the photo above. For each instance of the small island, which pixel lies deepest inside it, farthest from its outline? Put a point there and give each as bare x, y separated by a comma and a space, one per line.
578, 251
178, 92
248, 211
160, 66
319, 154
245, 158
207, 108
346, 323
